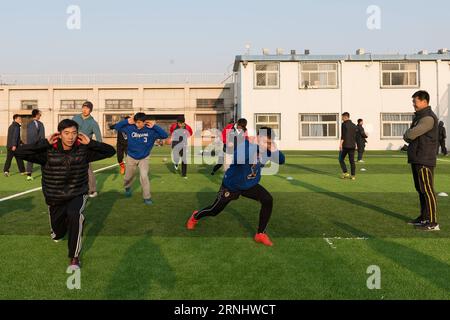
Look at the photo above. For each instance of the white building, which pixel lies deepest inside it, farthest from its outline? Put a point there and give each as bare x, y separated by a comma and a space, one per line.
303, 96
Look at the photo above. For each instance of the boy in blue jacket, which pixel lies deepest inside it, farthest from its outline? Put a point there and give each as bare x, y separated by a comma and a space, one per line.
141, 136
242, 178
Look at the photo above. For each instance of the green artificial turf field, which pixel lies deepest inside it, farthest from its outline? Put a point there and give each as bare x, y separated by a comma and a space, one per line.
326, 233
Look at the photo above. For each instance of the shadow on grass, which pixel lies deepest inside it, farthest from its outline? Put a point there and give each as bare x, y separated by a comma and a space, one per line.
17, 204
347, 199
423, 265
142, 266
250, 230
96, 214
311, 170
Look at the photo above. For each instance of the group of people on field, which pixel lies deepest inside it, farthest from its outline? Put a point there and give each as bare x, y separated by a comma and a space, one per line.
68, 178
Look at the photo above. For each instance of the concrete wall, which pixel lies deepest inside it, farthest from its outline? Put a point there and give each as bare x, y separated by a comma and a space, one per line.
151, 99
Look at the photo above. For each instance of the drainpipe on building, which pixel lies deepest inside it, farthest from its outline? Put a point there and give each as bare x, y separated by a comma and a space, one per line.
438, 108
342, 91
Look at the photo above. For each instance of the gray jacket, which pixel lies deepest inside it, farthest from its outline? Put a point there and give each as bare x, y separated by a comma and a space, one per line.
35, 133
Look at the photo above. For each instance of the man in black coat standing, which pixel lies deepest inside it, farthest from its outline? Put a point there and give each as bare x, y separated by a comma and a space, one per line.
347, 146
442, 137
361, 139
35, 132
422, 137
12, 144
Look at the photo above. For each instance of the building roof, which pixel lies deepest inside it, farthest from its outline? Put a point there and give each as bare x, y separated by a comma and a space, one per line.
342, 57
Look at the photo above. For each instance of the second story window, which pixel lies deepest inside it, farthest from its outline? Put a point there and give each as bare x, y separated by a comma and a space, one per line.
210, 103
267, 75
28, 104
318, 75
118, 104
72, 104
398, 75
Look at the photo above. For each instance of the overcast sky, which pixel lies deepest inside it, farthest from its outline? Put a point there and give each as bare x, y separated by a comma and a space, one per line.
204, 36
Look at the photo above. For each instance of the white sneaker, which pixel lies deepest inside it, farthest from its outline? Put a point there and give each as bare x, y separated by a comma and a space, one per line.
360, 160
93, 194
6, 174
30, 178
175, 167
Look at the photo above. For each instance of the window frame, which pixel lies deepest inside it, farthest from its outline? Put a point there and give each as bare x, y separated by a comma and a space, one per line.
256, 72
278, 135
300, 74
35, 106
382, 72
382, 122
219, 103
300, 123
119, 103
74, 104
67, 115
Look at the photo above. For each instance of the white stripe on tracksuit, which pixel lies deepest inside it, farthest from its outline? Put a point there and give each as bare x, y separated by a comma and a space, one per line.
80, 228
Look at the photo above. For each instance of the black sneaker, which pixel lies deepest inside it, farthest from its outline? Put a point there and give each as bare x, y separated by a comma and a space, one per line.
429, 227
417, 222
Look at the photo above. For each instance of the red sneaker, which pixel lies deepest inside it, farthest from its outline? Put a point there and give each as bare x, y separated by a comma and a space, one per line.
75, 263
122, 168
192, 222
264, 239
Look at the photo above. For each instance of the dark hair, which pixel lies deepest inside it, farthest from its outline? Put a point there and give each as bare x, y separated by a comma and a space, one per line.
231, 121
16, 116
346, 114
88, 104
242, 123
67, 123
140, 116
360, 120
35, 112
151, 117
422, 95
266, 131
181, 119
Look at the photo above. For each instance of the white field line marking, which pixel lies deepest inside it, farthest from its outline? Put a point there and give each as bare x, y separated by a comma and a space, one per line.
445, 160
40, 188
327, 240
330, 242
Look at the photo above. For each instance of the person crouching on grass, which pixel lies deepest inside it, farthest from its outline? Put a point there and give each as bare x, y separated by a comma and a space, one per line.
242, 178
141, 136
65, 158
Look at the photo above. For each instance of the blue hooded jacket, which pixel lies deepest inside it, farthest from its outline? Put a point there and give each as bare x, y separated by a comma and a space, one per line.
245, 171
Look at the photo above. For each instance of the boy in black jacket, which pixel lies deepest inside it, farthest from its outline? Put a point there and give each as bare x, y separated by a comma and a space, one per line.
442, 137
65, 159
361, 139
121, 146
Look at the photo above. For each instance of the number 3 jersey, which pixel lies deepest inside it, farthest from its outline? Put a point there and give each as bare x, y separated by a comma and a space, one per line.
140, 141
